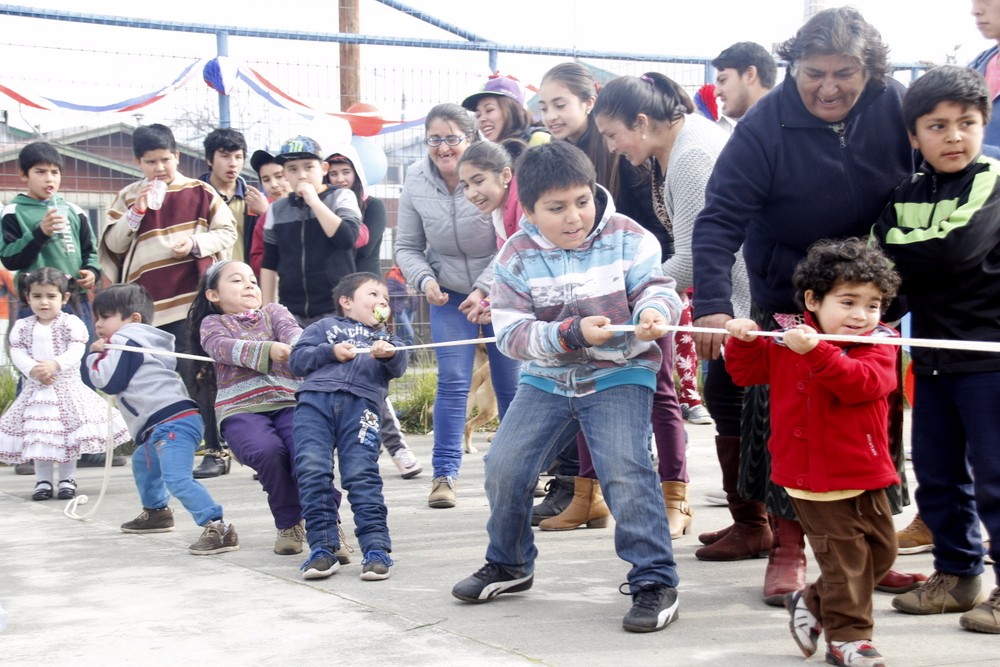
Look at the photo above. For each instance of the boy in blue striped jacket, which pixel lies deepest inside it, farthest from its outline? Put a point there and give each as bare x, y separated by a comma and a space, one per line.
574, 268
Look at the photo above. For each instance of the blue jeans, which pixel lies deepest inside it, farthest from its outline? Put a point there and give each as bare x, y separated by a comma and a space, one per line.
328, 421
455, 377
956, 458
614, 422
162, 467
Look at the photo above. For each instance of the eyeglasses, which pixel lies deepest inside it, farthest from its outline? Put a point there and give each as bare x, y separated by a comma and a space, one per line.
451, 140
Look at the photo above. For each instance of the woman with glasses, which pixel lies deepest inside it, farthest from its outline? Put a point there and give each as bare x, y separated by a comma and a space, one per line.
445, 248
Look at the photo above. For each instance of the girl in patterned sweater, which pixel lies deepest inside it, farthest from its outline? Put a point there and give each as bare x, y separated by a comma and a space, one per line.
256, 390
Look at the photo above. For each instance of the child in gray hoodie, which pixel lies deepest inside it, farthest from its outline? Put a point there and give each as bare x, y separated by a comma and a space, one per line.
163, 420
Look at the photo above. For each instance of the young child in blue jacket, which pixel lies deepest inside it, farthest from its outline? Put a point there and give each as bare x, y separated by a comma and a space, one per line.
340, 408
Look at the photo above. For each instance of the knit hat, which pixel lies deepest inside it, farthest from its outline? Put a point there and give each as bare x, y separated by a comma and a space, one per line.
300, 147
500, 86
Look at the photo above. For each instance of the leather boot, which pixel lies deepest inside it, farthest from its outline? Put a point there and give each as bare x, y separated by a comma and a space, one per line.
558, 495
727, 448
750, 535
587, 508
786, 566
679, 513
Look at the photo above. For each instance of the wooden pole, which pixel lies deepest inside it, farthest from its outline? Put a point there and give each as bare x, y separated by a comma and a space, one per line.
350, 55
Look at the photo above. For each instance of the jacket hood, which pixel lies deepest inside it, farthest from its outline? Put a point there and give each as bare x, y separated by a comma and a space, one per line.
149, 336
25, 200
605, 208
351, 153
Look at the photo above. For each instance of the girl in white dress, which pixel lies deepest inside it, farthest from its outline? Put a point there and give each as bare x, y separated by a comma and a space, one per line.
56, 417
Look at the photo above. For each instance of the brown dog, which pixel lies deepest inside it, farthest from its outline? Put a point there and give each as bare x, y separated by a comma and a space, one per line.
481, 396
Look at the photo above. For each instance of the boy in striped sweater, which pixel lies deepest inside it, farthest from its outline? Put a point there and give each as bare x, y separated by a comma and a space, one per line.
164, 241
574, 268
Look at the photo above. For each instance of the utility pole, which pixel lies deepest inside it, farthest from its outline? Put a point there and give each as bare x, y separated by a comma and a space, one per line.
350, 55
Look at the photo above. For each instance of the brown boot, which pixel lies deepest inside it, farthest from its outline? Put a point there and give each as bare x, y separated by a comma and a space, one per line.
751, 513
727, 449
587, 508
749, 537
679, 513
786, 566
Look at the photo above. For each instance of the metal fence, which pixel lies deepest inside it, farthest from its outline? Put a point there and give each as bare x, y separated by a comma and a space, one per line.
63, 104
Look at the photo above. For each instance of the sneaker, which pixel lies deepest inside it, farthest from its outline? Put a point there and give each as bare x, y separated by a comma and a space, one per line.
67, 489
344, 551
805, 627
290, 540
151, 521
915, 538
321, 564
654, 607
858, 653
941, 594
558, 496
490, 581
407, 463
717, 497
984, 617
217, 538
442, 493
697, 414
375, 565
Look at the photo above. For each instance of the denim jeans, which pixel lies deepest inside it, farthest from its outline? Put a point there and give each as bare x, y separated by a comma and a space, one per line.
956, 459
349, 424
455, 377
162, 467
615, 422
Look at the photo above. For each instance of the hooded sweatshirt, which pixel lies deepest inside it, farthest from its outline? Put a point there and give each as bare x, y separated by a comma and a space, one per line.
26, 247
373, 216
615, 272
148, 388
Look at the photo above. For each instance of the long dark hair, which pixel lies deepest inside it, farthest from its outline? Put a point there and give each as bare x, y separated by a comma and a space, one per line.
203, 372
579, 80
653, 94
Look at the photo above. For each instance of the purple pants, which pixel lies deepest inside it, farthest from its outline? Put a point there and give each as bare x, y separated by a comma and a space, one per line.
263, 441
668, 424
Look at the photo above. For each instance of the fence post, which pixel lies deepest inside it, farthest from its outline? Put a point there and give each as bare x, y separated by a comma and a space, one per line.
222, 48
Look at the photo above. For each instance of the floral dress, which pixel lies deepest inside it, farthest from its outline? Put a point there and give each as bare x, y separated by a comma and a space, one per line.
60, 421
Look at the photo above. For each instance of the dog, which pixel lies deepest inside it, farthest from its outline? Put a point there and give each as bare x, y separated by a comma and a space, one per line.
481, 397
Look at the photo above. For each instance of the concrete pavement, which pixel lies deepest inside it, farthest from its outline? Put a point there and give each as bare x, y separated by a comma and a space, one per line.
83, 593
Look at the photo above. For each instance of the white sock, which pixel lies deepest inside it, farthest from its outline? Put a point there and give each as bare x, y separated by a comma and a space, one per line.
67, 470
43, 471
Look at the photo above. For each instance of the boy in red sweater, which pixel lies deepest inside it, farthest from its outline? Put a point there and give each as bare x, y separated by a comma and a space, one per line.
829, 445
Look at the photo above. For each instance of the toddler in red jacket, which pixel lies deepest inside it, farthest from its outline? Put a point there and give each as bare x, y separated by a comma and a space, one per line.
829, 445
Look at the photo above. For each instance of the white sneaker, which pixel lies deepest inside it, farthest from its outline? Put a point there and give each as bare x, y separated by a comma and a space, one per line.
407, 463
698, 415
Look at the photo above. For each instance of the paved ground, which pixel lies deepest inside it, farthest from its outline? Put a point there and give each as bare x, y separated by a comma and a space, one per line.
86, 594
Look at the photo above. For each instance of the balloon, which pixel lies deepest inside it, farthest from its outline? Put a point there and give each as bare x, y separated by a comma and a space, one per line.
329, 131
373, 159
367, 125
220, 74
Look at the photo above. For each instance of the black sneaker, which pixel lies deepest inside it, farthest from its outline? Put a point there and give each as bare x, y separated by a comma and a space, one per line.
654, 607
321, 564
558, 496
490, 581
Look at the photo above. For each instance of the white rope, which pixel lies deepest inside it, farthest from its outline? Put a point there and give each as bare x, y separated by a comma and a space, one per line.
938, 343
164, 353
447, 343
109, 449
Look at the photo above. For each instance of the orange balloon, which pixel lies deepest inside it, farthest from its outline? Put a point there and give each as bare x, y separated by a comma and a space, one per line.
909, 384
368, 125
